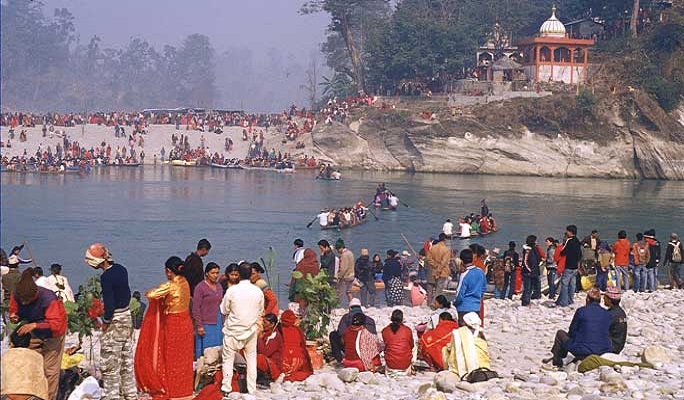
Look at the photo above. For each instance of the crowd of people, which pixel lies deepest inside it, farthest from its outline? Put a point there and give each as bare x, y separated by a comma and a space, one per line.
201, 311
343, 217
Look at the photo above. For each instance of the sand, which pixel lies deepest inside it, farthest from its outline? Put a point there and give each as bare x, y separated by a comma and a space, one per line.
158, 136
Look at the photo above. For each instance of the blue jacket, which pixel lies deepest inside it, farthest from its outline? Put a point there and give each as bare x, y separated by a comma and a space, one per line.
473, 287
589, 331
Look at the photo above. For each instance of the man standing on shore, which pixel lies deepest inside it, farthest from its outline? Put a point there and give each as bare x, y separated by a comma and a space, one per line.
327, 259
194, 267
242, 306
345, 276
621, 250
438, 257
572, 250
116, 342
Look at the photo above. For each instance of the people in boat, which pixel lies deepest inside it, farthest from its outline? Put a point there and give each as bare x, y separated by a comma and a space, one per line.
448, 228
393, 201
464, 228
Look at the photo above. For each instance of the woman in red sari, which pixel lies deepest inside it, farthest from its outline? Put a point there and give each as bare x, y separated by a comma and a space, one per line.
164, 356
296, 361
361, 349
270, 348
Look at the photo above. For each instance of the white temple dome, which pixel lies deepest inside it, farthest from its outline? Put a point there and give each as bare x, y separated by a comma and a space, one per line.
552, 27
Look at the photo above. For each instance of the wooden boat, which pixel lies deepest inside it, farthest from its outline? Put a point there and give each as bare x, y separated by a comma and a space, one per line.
329, 227
473, 235
226, 166
183, 163
129, 164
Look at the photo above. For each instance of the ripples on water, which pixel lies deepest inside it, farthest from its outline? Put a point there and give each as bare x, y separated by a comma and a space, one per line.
147, 214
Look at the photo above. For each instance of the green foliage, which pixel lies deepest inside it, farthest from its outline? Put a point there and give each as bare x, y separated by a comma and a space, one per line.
666, 93
338, 85
585, 101
320, 298
79, 319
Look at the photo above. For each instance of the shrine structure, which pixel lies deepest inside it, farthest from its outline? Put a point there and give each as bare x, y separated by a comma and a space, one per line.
553, 56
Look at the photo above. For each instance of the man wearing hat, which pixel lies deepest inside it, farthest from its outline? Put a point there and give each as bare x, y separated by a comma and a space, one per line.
336, 346
588, 333
116, 341
618, 321
653, 260
345, 274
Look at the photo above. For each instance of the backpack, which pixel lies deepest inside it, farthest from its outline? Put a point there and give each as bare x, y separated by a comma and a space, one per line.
677, 252
642, 254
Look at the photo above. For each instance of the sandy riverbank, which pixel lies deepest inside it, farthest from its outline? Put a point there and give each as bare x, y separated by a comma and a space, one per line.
158, 137
519, 337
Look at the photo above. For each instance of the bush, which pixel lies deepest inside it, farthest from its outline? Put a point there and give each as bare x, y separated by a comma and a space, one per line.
667, 93
585, 101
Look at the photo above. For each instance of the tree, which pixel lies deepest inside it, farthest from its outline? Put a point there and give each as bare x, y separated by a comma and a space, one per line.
197, 71
347, 21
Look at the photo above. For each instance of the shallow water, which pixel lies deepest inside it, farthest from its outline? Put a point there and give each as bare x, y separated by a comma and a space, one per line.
147, 214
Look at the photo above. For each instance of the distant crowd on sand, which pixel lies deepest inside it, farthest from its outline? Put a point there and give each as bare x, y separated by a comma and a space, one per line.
231, 323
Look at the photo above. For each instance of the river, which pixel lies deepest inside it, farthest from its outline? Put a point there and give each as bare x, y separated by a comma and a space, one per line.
144, 215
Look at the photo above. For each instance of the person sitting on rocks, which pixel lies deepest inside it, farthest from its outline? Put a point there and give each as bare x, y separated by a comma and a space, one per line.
588, 333
361, 350
296, 360
434, 340
269, 349
618, 322
468, 348
398, 340
335, 337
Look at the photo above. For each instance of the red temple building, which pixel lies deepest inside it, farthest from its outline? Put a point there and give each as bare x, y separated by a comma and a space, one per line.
553, 55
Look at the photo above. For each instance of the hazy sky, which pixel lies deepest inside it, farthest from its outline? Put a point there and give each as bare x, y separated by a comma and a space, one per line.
263, 47
256, 24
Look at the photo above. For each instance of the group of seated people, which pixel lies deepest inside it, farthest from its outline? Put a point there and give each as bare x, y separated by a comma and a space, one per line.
443, 346
344, 216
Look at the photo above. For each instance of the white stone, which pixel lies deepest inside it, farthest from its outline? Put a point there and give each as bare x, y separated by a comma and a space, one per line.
446, 381
348, 374
368, 378
656, 355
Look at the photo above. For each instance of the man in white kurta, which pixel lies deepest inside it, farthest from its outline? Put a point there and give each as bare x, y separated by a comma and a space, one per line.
242, 307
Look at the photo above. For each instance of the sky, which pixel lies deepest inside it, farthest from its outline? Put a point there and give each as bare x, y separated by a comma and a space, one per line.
262, 30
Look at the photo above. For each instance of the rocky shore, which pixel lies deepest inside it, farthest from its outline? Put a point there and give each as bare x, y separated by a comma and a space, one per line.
632, 138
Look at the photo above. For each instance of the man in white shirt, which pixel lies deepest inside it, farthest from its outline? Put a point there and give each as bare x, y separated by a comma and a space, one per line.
59, 284
393, 201
465, 228
298, 251
322, 219
242, 307
448, 228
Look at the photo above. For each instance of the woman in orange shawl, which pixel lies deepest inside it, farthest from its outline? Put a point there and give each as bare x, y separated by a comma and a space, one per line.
296, 361
164, 356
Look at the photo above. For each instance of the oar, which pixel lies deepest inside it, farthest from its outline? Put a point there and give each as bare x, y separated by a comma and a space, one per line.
371, 211
312, 221
33, 260
402, 202
409, 244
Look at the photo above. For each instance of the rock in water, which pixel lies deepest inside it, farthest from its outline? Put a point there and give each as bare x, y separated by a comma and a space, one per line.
348, 374
446, 381
656, 355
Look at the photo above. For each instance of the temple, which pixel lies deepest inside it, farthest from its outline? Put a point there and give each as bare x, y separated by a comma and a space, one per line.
553, 55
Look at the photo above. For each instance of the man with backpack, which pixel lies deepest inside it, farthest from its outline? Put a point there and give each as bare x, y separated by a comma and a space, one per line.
653, 260
641, 255
674, 258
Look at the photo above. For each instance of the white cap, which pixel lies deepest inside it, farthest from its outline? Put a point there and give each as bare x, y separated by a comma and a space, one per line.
354, 302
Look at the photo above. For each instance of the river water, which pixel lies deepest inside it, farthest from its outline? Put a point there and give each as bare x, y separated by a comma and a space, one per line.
147, 214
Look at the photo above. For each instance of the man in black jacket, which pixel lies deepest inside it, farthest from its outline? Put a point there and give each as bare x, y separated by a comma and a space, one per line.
653, 261
572, 251
618, 322
194, 267
336, 346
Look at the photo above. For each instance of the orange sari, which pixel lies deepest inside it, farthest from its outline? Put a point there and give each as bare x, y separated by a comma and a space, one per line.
164, 354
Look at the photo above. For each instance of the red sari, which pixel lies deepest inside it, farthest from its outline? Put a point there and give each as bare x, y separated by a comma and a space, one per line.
269, 353
433, 341
164, 355
296, 361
